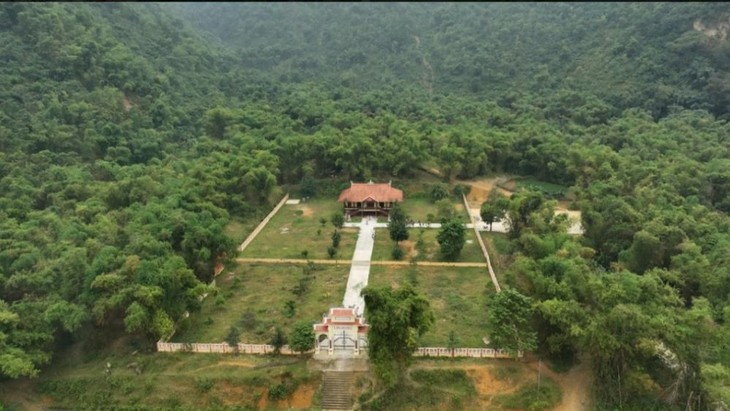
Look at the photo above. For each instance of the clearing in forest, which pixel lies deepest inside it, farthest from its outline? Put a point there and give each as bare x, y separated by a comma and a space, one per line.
255, 298
296, 228
457, 296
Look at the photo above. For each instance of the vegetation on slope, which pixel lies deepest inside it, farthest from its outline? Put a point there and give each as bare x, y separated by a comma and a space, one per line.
129, 141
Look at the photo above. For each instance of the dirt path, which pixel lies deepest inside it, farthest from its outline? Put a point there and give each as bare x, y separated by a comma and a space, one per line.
576, 386
481, 188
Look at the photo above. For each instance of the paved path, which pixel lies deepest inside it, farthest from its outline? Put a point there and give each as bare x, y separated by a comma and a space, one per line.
360, 269
500, 226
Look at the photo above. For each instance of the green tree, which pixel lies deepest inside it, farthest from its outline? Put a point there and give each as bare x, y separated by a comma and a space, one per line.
301, 338
451, 238
494, 208
336, 238
509, 317
278, 339
452, 342
397, 319
307, 187
337, 219
445, 209
397, 224
438, 191
233, 337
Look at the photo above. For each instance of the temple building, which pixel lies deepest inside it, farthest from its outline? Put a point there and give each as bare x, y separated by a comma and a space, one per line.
341, 332
369, 199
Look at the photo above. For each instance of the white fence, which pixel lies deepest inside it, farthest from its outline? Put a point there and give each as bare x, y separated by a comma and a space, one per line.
221, 348
224, 348
463, 352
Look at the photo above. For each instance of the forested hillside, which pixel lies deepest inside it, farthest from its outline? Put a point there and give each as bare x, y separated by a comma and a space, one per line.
594, 58
132, 134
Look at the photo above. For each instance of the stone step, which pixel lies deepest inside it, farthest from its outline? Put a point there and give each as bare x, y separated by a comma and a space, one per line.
337, 390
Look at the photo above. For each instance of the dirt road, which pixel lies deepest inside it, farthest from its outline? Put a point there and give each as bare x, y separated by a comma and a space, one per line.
576, 385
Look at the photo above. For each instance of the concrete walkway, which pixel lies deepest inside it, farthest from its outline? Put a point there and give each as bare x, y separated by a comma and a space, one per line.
360, 269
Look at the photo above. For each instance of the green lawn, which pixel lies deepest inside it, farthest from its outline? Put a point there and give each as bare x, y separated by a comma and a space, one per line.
384, 246
420, 208
263, 291
499, 249
238, 229
294, 229
549, 189
457, 297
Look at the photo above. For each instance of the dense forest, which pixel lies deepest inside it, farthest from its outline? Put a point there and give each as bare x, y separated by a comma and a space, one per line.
131, 134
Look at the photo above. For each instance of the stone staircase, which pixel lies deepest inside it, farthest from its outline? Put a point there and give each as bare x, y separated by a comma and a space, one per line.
337, 390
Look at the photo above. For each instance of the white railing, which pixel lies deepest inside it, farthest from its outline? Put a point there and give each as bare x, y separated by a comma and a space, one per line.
224, 348
221, 348
464, 352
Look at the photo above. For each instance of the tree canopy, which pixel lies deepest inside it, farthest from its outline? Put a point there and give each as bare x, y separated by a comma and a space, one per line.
396, 318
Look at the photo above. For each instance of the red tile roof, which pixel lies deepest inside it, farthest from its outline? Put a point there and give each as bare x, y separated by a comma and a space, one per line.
378, 192
342, 312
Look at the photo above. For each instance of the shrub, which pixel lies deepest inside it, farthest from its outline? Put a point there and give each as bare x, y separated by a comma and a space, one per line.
204, 384
290, 308
438, 191
397, 253
461, 189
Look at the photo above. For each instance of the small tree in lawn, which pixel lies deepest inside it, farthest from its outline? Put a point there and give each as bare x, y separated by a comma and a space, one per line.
301, 338
508, 320
336, 237
278, 340
397, 224
331, 252
451, 238
322, 221
337, 219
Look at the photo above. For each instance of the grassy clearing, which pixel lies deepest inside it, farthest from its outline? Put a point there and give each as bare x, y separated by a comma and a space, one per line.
418, 209
532, 397
238, 229
457, 296
448, 389
295, 228
255, 298
460, 384
499, 249
176, 381
384, 246
549, 189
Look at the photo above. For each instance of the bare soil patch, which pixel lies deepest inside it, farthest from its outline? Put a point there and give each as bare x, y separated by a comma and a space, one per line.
481, 188
575, 385
127, 104
409, 249
486, 383
306, 211
264, 401
301, 399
